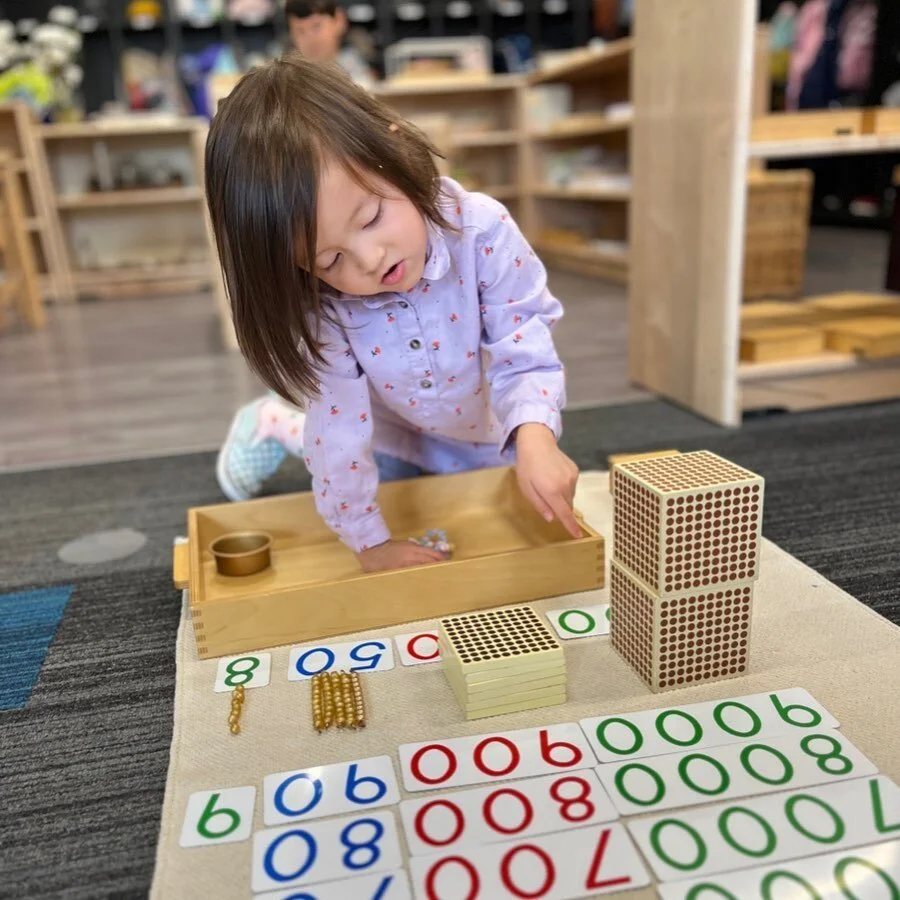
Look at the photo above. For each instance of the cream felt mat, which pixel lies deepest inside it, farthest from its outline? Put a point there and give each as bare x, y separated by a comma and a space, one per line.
806, 633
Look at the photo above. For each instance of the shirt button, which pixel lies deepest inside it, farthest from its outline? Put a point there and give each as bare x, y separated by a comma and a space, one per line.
425, 383
404, 304
415, 344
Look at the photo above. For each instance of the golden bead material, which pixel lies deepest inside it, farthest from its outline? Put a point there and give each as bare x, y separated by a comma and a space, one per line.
347, 697
237, 705
359, 706
317, 714
327, 702
340, 713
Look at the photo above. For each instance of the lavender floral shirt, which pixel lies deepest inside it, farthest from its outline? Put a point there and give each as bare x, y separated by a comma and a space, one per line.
439, 376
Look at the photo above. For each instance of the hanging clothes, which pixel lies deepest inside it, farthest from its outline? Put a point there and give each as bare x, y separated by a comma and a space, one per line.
857, 46
812, 83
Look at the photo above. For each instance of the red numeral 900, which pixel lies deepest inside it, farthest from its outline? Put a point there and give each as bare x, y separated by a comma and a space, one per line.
559, 754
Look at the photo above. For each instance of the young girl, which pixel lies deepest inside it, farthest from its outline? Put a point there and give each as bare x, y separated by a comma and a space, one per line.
408, 316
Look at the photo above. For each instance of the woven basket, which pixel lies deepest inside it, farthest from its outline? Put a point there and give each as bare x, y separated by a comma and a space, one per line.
778, 205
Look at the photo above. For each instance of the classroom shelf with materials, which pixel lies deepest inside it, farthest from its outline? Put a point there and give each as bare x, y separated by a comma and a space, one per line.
578, 187
690, 338
478, 125
128, 197
18, 138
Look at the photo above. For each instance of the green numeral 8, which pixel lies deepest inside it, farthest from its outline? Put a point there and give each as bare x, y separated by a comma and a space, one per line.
245, 674
822, 759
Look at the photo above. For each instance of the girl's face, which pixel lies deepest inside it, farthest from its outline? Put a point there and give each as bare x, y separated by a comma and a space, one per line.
367, 243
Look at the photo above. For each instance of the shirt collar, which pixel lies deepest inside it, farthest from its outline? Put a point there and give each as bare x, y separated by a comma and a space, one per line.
437, 264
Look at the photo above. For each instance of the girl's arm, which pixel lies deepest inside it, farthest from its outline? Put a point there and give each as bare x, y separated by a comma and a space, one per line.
518, 312
524, 372
337, 444
338, 450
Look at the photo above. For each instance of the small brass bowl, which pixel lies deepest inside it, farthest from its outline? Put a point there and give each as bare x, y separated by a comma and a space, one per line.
242, 553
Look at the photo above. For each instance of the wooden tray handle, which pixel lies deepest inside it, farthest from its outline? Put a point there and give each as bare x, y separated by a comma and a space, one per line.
181, 564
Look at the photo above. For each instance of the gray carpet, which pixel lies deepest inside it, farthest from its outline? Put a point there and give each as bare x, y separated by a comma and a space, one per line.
83, 766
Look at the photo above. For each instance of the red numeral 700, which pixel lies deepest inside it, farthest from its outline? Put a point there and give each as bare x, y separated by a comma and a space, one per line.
592, 883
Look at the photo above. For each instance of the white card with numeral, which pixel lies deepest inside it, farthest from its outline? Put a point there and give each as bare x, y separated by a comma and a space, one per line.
418, 648
700, 725
252, 670
868, 873
311, 852
738, 770
580, 621
222, 816
516, 809
588, 862
778, 827
387, 886
352, 656
329, 790
484, 758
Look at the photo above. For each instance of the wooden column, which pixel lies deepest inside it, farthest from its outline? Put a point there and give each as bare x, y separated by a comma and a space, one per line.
692, 83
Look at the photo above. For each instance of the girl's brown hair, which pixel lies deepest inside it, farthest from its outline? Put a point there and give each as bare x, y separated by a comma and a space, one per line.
264, 153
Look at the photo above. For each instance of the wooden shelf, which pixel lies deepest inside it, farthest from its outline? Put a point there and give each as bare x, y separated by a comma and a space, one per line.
85, 279
589, 64
584, 260
575, 127
826, 146
422, 88
100, 128
582, 193
141, 197
488, 139
502, 192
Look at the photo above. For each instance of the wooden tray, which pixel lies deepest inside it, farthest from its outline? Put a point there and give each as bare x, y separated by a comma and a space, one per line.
504, 553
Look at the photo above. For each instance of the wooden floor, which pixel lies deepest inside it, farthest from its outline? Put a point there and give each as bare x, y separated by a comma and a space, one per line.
125, 379
146, 377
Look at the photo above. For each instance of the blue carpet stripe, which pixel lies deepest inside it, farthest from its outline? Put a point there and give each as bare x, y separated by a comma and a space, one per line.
28, 622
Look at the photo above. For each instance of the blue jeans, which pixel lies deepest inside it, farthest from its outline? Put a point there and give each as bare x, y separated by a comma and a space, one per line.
392, 469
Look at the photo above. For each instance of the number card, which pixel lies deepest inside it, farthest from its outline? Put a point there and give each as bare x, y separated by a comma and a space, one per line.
494, 757
739, 770
329, 790
862, 874
392, 886
325, 851
658, 731
218, 817
252, 670
590, 861
770, 829
580, 621
418, 648
519, 809
355, 656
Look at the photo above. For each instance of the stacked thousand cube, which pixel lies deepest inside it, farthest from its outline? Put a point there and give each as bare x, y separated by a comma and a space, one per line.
502, 661
686, 535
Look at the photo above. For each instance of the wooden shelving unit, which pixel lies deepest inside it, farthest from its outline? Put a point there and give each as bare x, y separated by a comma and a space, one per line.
588, 214
137, 240
482, 124
689, 222
18, 131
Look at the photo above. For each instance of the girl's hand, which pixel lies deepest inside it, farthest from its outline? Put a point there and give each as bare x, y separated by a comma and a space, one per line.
397, 555
546, 475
